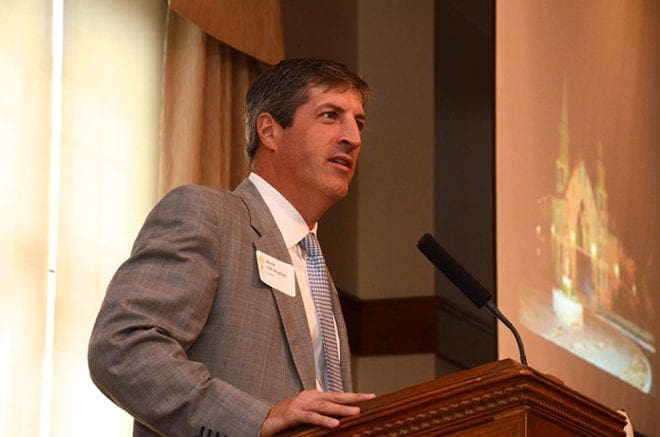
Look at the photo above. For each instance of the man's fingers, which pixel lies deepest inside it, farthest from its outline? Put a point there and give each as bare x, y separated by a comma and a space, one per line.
313, 408
332, 408
346, 398
333, 403
278, 421
338, 397
295, 417
316, 418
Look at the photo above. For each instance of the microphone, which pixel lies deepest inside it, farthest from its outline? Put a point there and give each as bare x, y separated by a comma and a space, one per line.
466, 283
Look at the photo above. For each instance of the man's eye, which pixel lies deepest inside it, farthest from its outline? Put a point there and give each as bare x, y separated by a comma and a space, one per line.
329, 115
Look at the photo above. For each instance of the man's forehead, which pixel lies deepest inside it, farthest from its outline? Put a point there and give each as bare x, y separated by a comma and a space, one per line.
323, 94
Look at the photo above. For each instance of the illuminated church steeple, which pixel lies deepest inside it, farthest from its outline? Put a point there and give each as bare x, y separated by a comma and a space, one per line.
601, 193
562, 163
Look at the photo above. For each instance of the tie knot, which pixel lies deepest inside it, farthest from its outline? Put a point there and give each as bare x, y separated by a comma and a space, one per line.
311, 245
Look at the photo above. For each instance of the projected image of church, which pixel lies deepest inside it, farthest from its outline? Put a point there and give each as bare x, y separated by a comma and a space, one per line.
590, 298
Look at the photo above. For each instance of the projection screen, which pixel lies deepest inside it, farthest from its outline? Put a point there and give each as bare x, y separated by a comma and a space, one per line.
577, 177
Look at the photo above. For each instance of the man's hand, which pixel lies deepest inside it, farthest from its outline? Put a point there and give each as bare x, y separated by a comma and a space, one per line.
312, 407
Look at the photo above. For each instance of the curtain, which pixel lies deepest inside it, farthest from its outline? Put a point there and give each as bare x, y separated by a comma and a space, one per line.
253, 27
202, 129
205, 82
117, 117
111, 99
25, 69
107, 138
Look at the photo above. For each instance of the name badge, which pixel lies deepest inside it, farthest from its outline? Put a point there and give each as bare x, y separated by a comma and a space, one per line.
279, 275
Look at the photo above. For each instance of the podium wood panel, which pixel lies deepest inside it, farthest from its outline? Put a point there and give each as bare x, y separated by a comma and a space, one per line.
496, 399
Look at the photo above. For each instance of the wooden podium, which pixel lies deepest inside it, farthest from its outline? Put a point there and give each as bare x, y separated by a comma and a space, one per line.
504, 398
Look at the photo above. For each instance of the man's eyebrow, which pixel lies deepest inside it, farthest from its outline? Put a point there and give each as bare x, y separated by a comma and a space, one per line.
332, 106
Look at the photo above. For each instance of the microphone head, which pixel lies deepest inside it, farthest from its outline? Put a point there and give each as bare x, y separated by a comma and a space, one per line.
460, 277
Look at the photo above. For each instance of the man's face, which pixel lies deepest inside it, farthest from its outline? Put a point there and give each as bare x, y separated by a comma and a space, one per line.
318, 153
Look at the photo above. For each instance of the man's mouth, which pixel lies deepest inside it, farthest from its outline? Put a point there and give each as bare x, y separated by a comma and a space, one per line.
343, 161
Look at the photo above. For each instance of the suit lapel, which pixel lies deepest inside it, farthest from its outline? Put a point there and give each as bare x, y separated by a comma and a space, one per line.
291, 309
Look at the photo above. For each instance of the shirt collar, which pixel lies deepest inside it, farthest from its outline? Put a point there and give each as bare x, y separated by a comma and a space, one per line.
288, 219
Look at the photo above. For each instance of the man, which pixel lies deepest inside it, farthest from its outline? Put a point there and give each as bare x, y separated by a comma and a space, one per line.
217, 325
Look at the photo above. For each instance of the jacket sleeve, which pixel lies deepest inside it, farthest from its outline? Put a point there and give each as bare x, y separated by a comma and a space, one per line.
155, 307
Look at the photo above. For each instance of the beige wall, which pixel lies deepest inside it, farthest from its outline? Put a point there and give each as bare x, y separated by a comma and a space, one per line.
369, 238
395, 40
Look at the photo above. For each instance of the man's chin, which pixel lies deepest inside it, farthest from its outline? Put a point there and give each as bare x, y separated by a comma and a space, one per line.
337, 193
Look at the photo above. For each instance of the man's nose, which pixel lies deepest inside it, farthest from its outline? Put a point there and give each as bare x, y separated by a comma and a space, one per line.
351, 134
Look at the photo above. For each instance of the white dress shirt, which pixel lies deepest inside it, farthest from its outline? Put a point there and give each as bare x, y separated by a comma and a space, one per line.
293, 229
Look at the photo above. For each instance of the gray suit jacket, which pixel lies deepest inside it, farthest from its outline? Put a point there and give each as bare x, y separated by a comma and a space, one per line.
188, 339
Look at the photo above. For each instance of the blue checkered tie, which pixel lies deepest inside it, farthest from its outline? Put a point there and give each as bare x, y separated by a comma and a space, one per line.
320, 286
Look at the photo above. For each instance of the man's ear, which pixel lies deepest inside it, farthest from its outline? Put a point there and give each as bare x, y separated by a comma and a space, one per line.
268, 130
